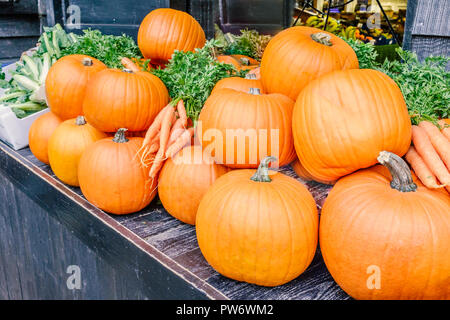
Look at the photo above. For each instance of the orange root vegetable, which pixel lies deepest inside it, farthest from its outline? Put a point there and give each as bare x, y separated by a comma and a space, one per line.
445, 128
128, 64
440, 143
421, 170
177, 129
182, 112
163, 139
182, 140
431, 158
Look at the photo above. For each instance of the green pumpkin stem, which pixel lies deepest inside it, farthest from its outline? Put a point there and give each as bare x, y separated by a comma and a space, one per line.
401, 174
120, 136
80, 121
262, 173
322, 38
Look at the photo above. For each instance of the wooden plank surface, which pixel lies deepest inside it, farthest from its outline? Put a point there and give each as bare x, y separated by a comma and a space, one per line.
432, 18
170, 241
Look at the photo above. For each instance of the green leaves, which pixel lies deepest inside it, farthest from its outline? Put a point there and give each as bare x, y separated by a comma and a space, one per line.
192, 75
106, 48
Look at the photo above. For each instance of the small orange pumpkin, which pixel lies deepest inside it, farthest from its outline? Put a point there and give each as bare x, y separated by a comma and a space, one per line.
239, 61
66, 146
112, 177
297, 55
123, 99
384, 235
239, 129
165, 30
239, 84
258, 227
66, 82
40, 132
184, 180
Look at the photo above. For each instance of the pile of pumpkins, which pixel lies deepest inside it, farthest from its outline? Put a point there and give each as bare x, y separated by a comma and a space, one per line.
253, 224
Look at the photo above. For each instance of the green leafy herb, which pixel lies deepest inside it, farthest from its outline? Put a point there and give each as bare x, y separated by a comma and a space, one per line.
107, 48
366, 53
192, 75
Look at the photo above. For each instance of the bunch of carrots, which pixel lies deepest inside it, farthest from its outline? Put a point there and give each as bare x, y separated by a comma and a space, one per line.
167, 134
430, 155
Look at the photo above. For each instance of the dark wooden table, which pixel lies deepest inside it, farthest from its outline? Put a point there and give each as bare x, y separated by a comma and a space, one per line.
46, 227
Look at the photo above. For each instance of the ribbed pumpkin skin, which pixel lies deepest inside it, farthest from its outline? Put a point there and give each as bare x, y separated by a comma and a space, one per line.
305, 175
343, 120
184, 180
40, 132
165, 30
364, 222
258, 232
112, 178
292, 59
234, 110
66, 83
66, 146
116, 99
239, 84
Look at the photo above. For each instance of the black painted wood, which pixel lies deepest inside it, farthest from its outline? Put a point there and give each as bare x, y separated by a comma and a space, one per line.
45, 225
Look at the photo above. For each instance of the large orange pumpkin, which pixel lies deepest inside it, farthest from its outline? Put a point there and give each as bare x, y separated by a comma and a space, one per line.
66, 84
40, 132
165, 30
342, 120
66, 145
112, 177
305, 175
386, 236
239, 84
258, 227
123, 99
239, 128
184, 180
298, 55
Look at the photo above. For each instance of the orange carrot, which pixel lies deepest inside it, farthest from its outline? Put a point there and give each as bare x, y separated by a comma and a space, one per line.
182, 140
445, 128
182, 112
176, 131
164, 138
128, 64
438, 140
425, 149
421, 169
155, 126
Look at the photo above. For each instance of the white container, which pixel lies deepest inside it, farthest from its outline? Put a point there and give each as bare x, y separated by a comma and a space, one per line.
14, 131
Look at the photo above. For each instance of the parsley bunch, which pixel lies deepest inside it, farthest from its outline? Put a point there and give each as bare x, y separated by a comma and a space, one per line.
108, 49
192, 75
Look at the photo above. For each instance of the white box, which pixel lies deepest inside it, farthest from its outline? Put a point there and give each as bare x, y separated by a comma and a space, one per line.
14, 131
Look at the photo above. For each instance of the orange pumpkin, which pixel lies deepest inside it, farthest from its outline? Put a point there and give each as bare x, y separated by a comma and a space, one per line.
112, 177
342, 120
184, 180
239, 84
66, 146
165, 30
40, 132
239, 61
386, 236
239, 129
298, 55
66, 84
123, 99
258, 227
305, 175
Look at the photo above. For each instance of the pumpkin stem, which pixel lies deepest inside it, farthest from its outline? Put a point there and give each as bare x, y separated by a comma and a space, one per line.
322, 38
120, 137
127, 70
254, 91
401, 174
244, 61
250, 76
80, 121
262, 173
87, 62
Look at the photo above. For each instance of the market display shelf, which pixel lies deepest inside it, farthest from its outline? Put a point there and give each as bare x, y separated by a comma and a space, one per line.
164, 244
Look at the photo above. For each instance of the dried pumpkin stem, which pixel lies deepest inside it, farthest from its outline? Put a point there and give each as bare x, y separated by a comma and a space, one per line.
127, 70
80, 121
87, 62
322, 38
254, 91
250, 76
120, 137
244, 61
262, 173
401, 174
